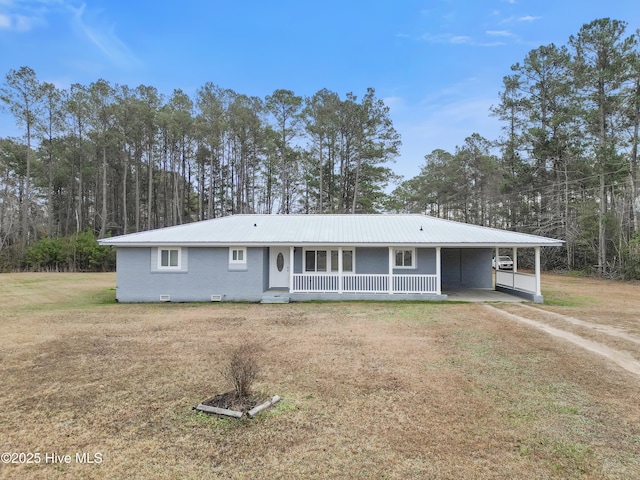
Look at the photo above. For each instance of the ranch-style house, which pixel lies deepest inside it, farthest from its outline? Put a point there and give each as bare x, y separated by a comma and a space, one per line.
282, 258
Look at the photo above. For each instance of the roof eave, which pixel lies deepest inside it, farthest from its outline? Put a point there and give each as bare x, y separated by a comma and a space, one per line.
558, 243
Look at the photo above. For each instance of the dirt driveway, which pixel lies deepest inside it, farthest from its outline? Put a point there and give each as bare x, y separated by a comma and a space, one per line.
612, 343
599, 316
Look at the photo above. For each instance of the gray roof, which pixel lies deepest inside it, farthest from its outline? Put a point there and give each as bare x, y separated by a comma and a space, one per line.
296, 230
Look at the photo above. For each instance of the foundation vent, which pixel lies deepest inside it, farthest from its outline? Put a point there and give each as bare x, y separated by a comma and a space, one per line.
216, 298
165, 298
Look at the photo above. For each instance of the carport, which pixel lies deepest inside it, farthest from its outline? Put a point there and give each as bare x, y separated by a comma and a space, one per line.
470, 268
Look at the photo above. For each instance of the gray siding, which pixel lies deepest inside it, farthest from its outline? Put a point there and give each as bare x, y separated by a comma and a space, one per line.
297, 260
466, 268
265, 269
426, 263
375, 260
206, 273
372, 260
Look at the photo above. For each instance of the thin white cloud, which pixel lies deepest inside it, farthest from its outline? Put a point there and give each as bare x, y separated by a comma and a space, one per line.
525, 18
446, 38
458, 40
461, 39
15, 18
102, 37
499, 33
491, 44
24, 23
26, 15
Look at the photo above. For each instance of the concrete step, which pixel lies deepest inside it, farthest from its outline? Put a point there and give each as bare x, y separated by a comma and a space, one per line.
275, 297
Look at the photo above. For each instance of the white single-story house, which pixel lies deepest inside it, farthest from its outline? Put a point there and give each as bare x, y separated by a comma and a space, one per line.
278, 258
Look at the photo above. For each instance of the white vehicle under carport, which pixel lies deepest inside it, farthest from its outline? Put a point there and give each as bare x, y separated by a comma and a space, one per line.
504, 263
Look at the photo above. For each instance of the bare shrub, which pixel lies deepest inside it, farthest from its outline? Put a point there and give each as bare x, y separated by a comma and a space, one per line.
243, 368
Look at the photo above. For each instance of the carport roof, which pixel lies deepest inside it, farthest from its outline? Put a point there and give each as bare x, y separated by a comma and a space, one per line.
345, 230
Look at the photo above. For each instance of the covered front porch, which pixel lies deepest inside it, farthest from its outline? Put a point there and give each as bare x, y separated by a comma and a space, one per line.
396, 272
356, 270
354, 273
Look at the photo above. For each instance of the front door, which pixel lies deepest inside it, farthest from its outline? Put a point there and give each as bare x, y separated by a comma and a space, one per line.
279, 267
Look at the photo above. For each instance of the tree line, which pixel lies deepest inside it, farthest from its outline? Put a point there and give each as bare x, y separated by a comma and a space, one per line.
111, 159
566, 165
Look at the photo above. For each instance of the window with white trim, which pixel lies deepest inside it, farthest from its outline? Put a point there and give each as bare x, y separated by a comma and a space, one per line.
238, 255
327, 260
405, 257
169, 258
348, 261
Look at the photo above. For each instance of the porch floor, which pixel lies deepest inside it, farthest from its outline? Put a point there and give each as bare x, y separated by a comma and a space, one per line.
480, 295
476, 295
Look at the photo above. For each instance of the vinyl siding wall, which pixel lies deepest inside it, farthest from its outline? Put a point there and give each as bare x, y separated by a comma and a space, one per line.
375, 260
466, 268
204, 272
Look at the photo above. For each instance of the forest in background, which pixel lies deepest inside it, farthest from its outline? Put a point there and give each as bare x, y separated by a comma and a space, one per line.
105, 159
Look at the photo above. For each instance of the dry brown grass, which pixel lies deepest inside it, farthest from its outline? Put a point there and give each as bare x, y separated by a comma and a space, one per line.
370, 390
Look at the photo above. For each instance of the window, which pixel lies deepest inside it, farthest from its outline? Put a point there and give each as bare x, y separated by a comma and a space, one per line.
347, 261
334, 260
168, 258
237, 255
327, 261
310, 261
405, 258
315, 261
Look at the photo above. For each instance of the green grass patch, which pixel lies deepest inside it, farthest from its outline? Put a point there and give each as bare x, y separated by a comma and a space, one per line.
195, 419
558, 299
282, 407
106, 296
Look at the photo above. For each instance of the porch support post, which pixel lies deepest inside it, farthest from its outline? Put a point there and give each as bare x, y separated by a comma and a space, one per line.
438, 271
390, 269
339, 269
291, 253
538, 289
495, 270
514, 257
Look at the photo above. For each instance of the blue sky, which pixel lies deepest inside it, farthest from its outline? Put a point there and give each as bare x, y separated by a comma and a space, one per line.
438, 64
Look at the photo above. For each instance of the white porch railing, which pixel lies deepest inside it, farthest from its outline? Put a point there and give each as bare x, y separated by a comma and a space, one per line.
315, 283
414, 283
516, 280
363, 283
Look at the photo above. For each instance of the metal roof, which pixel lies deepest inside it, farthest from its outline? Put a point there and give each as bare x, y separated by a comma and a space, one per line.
346, 230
